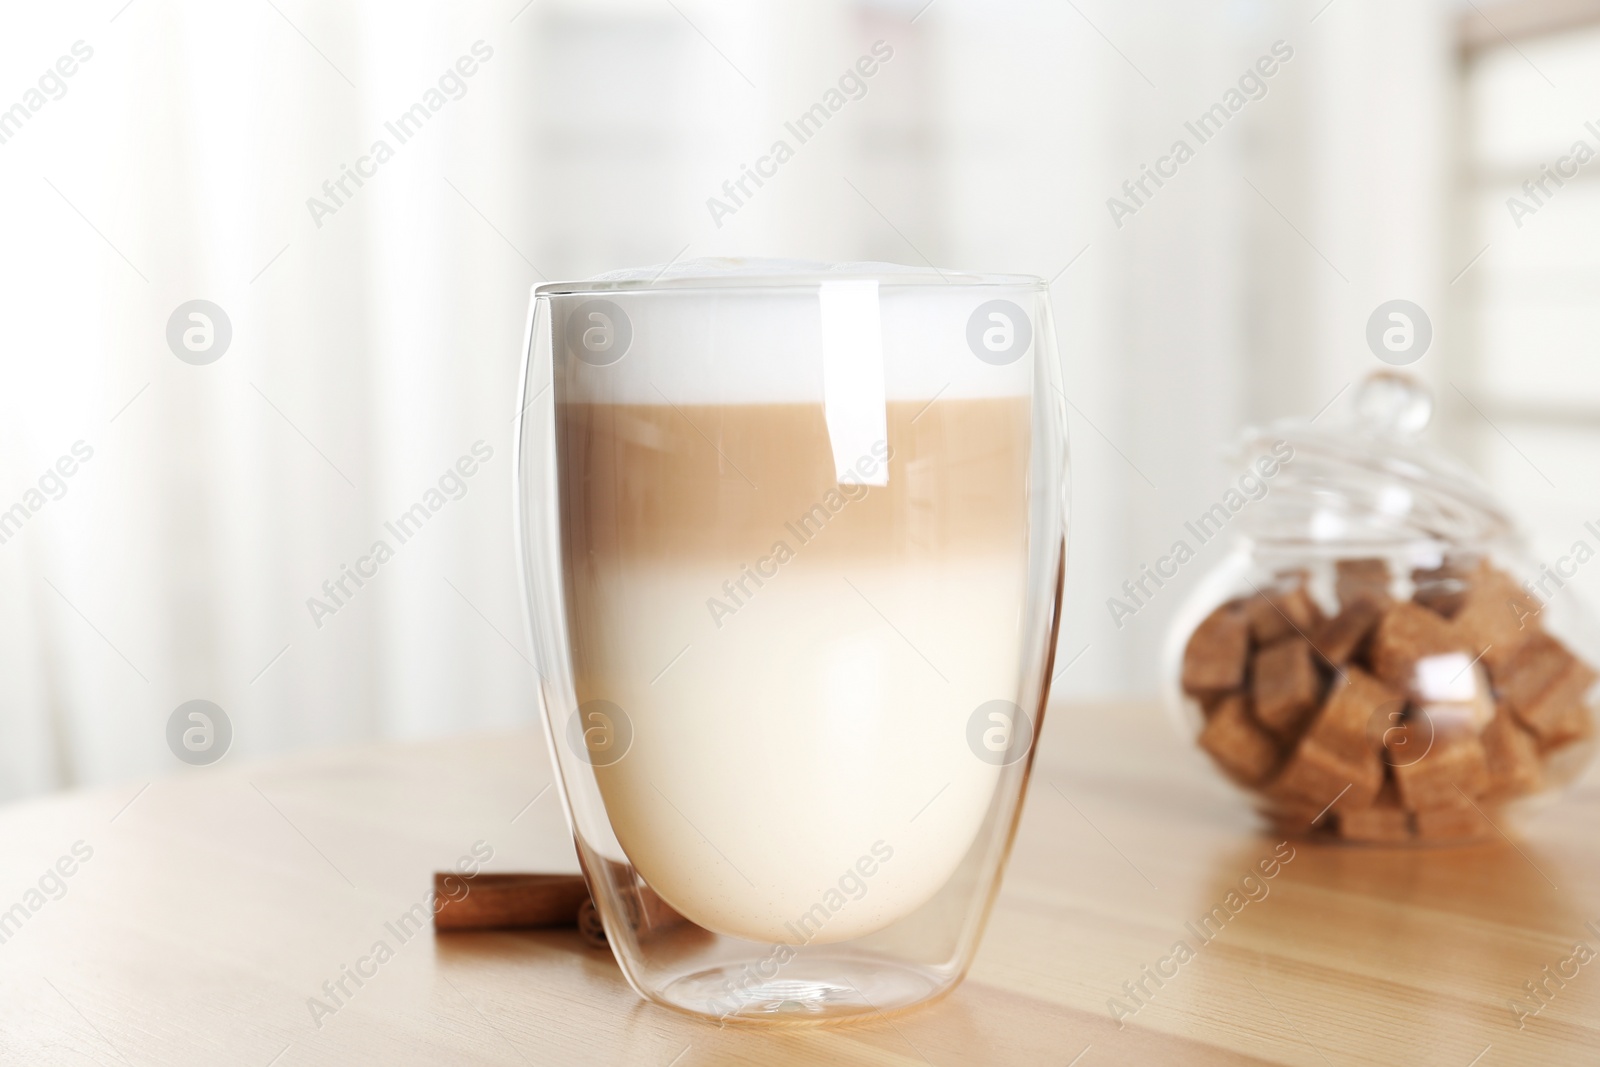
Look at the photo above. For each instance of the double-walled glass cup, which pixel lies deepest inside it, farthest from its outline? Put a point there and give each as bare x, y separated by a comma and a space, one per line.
793, 540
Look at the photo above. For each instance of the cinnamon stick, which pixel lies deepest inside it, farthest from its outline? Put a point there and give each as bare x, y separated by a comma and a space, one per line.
507, 901
542, 901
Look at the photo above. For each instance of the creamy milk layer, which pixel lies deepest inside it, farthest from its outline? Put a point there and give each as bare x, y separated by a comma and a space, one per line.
805, 734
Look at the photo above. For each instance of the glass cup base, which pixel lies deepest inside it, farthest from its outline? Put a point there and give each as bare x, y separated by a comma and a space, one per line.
820, 989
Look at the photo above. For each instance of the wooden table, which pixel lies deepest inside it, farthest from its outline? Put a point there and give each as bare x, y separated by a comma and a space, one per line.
216, 902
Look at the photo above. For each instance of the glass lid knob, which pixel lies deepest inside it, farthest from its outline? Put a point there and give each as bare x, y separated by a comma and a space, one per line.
1393, 404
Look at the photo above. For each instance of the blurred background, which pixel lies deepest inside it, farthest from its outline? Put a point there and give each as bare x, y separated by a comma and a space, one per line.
157, 152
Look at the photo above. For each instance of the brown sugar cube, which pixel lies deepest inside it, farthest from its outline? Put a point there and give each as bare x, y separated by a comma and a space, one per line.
1564, 715
1386, 822
1302, 608
1354, 717
1408, 633
1362, 579
1538, 664
1443, 589
1215, 657
1567, 761
1286, 685
1405, 739
1443, 597
1377, 826
1451, 765
1455, 822
1282, 610
1295, 816
1339, 638
1545, 686
1454, 693
1512, 755
1497, 617
1234, 740
1317, 776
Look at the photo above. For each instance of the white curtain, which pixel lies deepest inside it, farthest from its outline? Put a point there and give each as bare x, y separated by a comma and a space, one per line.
371, 348
374, 338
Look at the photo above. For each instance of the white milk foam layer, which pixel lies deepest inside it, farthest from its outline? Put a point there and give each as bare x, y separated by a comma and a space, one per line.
698, 338
803, 735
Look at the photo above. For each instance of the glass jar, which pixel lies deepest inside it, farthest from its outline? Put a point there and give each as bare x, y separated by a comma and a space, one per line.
792, 539
1379, 659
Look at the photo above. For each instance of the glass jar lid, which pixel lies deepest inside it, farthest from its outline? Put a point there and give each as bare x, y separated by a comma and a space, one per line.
1362, 480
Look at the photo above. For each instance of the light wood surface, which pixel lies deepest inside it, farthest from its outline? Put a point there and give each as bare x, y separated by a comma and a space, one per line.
219, 900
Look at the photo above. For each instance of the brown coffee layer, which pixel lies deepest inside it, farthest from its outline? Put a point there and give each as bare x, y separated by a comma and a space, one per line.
651, 483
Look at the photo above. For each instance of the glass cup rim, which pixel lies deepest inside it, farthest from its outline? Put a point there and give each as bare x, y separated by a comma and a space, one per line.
797, 282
